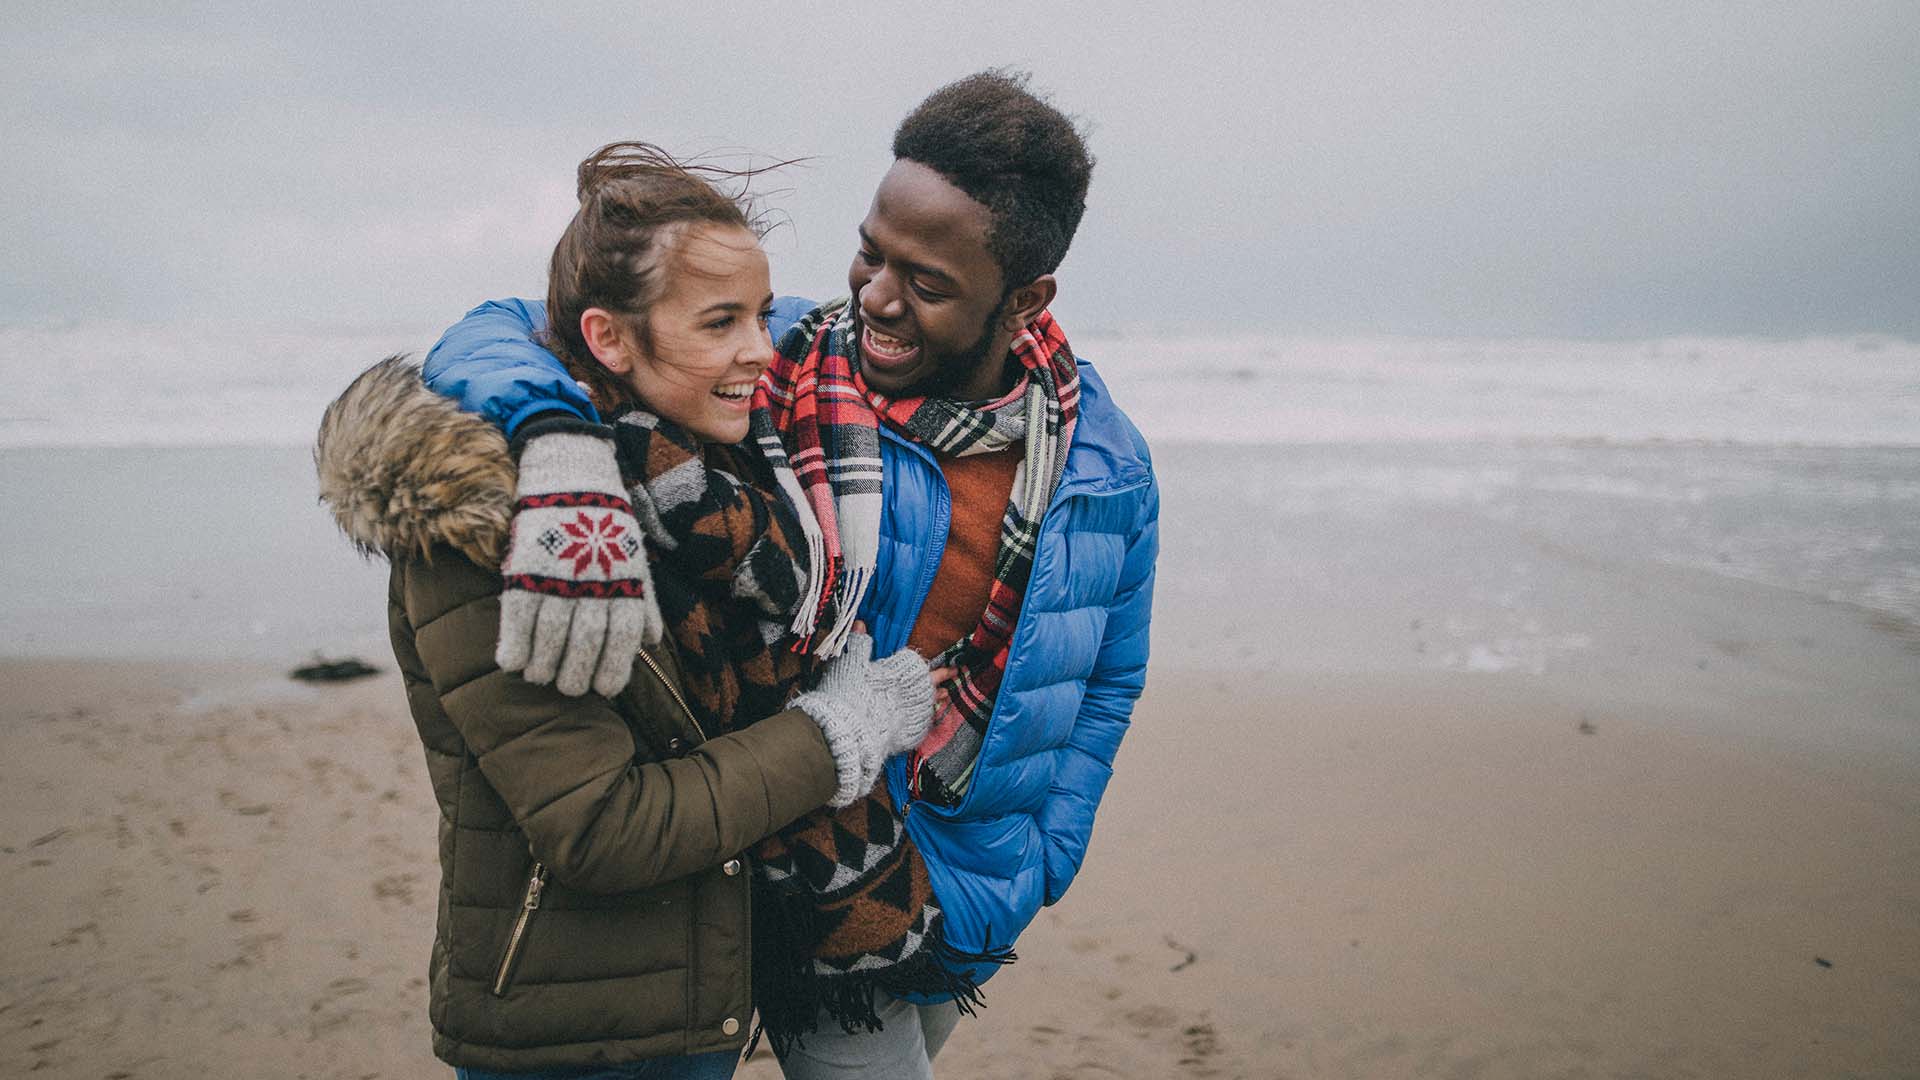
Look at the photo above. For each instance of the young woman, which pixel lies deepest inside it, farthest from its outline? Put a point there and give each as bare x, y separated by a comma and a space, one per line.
595, 913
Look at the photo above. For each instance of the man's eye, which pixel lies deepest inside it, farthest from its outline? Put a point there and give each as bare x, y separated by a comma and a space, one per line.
927, 294
869, 257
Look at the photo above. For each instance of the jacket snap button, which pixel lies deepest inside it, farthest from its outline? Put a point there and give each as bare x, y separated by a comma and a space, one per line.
730, 1026
676, 745
730, 868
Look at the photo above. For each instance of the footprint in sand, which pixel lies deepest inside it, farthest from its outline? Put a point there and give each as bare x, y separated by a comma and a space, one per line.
397, 887
253, 950
76, 934
43, 841
1189, 1039
1201, 1041
232, 801
1151, 1017
1200, 1045
329, 1014
1043, 1034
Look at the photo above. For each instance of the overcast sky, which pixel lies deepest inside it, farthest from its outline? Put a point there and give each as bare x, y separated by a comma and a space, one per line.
1453, 169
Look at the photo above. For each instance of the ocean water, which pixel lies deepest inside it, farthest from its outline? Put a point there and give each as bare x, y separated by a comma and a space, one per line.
159, 499
111, 384
1840, 392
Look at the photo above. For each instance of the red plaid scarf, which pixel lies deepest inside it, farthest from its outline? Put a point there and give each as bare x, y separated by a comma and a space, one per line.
813, 404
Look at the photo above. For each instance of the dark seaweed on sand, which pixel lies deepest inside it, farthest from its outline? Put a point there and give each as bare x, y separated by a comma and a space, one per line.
333, 670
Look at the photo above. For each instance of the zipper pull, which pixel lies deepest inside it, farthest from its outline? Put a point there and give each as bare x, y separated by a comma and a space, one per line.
535, 884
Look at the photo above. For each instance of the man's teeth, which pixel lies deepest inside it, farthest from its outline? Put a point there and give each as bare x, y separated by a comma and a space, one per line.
888, 346
734, 390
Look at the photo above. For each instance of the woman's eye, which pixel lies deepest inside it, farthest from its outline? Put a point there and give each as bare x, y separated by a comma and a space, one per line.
766, 317
721, 323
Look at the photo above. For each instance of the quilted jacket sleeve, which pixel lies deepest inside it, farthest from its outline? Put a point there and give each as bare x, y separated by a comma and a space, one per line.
602, 817
490, 363
1119, 673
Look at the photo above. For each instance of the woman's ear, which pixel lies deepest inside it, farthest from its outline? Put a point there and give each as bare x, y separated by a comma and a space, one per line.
1025, 303
606, 336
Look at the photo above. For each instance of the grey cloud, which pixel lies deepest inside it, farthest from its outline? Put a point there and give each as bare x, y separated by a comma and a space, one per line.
1483, 169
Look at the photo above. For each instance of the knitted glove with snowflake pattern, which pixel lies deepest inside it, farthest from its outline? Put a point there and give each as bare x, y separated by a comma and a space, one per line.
578, 599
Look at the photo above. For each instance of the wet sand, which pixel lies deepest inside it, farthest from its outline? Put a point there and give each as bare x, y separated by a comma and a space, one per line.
212, 871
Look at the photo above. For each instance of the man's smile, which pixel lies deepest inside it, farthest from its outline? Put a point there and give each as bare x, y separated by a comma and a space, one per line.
885, 350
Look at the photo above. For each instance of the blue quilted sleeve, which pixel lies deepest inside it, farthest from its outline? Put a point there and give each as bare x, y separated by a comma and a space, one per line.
490, 363
1119, 674
787, 311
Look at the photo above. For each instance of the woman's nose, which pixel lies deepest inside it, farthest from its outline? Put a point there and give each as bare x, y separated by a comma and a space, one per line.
759, 351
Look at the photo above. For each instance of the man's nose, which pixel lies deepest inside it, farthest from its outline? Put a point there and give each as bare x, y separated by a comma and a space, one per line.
880, 297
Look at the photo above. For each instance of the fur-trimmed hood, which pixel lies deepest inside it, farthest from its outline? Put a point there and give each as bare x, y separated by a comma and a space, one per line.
403, 468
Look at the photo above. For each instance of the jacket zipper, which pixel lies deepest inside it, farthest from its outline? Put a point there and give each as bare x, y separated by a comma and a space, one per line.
1060, 498
687, 711
536, 882
671, 689
942, 528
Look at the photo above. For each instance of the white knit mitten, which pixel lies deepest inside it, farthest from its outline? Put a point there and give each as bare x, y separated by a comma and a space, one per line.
578, 599
869, 710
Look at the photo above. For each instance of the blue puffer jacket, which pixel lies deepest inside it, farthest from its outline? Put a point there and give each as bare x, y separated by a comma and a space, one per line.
1079, 655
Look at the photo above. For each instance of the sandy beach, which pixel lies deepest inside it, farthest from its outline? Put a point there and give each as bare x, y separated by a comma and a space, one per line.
1448, 875
1434, 777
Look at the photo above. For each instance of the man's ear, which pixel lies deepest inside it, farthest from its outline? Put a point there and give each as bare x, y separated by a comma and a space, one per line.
1028, 301
606, 337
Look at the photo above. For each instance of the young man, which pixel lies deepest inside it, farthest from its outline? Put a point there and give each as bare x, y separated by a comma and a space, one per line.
981, 499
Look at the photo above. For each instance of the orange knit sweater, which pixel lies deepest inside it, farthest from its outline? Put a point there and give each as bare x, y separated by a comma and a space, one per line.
981, 485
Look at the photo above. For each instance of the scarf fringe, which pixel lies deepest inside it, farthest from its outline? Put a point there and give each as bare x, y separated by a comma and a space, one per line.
849, 589
791, 995
820, 569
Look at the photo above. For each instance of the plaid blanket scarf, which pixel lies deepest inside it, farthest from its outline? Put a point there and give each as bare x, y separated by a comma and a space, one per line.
843, 905
817, 424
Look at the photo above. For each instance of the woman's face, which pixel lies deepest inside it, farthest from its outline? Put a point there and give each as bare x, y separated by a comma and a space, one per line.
708, 331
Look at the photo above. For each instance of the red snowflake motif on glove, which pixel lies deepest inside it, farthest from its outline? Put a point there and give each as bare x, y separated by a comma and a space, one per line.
575, 564
594, 542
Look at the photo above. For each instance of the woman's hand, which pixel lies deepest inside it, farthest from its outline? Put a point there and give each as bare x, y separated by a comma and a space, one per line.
577, 601
912, 732
870, 710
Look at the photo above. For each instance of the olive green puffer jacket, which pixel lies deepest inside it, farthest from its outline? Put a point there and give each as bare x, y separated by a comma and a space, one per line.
593, 900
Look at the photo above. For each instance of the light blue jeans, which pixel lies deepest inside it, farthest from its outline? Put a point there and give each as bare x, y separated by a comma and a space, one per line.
717, 1066
903, 1049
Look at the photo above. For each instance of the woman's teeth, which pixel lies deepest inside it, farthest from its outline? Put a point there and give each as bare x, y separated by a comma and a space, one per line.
734, 391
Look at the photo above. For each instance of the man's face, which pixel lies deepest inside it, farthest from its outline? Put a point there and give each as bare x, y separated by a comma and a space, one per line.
930, 296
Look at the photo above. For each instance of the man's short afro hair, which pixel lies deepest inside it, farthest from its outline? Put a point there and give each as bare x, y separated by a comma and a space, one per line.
1015, 154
